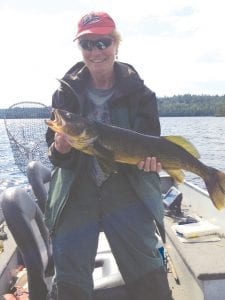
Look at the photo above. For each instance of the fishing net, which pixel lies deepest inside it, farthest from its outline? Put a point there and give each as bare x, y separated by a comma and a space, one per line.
25, 127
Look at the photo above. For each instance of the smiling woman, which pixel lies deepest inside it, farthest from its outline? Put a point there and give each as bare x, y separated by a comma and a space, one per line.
88, 199
99, 47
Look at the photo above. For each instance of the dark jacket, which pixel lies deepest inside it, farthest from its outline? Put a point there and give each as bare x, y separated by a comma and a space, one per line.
133, 107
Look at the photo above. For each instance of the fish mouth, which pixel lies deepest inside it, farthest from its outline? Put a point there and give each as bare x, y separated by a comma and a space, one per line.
57, 123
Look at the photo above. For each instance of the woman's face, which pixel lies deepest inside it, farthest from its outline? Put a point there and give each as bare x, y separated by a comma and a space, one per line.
98, 53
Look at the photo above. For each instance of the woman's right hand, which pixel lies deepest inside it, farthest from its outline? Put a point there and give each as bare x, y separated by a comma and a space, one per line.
61, 145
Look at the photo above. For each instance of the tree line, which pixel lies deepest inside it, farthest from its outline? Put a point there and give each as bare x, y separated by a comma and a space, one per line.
192, 105
179, 105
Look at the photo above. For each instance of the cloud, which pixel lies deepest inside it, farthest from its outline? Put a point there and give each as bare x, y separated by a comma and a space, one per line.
184, 11
211, 57
37, 48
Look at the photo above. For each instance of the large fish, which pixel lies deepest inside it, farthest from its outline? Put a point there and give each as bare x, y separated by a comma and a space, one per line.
111, 144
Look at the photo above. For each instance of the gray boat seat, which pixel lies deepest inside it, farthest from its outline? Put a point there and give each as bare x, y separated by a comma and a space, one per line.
39, 176
25, 221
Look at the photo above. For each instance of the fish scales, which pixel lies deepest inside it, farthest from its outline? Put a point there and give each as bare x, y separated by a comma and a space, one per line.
132, 147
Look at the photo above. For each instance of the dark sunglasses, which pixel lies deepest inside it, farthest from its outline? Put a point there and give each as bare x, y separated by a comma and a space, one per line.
101, 44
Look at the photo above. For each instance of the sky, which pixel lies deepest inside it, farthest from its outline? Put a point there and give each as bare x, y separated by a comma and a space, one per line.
177, 46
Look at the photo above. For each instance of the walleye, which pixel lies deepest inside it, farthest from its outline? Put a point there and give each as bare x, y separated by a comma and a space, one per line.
111, 144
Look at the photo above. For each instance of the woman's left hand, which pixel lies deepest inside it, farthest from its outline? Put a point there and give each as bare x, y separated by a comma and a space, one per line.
150, 164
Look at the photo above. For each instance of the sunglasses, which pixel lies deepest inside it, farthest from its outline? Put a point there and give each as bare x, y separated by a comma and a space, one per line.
100, 44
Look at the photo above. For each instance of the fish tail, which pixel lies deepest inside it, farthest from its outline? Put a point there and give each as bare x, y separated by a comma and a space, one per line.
215, 183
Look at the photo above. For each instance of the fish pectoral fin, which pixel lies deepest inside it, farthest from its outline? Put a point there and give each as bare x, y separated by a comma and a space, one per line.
184, 143
107, 166
102, 152
177, 175
105, 158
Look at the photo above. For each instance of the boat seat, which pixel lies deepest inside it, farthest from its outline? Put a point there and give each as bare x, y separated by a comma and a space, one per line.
39, 176
25, 221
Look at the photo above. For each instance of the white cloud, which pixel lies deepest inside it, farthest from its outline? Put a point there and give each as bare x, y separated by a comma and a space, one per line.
37, 48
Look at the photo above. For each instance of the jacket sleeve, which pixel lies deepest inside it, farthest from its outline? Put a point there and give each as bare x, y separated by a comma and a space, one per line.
146, 119
62, 99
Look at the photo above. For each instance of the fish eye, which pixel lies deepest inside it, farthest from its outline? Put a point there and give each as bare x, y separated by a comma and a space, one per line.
68, 115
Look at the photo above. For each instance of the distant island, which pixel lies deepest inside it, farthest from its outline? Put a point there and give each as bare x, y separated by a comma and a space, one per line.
175, 106
25, 112
192, 105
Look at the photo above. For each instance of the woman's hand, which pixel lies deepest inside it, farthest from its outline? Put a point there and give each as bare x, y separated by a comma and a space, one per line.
61, 145
150, 164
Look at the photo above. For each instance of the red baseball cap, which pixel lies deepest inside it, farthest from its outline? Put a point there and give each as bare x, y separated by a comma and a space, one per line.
96, 23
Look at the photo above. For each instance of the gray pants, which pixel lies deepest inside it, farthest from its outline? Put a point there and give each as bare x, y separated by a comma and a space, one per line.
128, 226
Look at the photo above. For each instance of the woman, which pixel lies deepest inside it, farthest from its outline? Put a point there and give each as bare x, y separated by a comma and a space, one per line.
83, 200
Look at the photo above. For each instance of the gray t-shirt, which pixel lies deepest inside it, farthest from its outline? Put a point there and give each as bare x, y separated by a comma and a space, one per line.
99, 100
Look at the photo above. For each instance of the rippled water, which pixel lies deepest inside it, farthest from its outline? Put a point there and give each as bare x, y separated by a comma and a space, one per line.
206, 133
9, 173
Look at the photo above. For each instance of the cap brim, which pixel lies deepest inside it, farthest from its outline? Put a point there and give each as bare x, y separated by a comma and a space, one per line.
99, 30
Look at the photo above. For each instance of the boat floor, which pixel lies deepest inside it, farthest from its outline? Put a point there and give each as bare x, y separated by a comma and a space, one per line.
178, 290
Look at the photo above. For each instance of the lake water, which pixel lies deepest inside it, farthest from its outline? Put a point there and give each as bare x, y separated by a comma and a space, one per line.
206, 133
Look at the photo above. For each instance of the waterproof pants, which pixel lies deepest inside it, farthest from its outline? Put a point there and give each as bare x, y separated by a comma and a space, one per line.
130, 230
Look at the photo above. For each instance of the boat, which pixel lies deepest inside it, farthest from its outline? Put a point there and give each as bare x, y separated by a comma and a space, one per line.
196, 264
194, 252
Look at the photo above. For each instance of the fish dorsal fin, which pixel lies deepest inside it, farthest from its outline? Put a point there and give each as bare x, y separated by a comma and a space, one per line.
184, 143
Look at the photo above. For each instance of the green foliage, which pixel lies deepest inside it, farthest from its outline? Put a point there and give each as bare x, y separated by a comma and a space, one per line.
182, 105
192, 105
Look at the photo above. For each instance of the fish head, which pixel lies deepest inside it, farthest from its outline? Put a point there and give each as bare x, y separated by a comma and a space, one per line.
68, 123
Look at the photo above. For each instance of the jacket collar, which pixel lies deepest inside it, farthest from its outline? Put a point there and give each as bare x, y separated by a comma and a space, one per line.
128, 80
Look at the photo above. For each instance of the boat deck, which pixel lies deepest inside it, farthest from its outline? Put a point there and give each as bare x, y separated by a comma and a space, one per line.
9, 259
179, 292
199, 263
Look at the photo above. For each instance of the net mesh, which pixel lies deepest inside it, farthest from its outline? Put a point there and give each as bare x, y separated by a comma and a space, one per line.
25, 127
